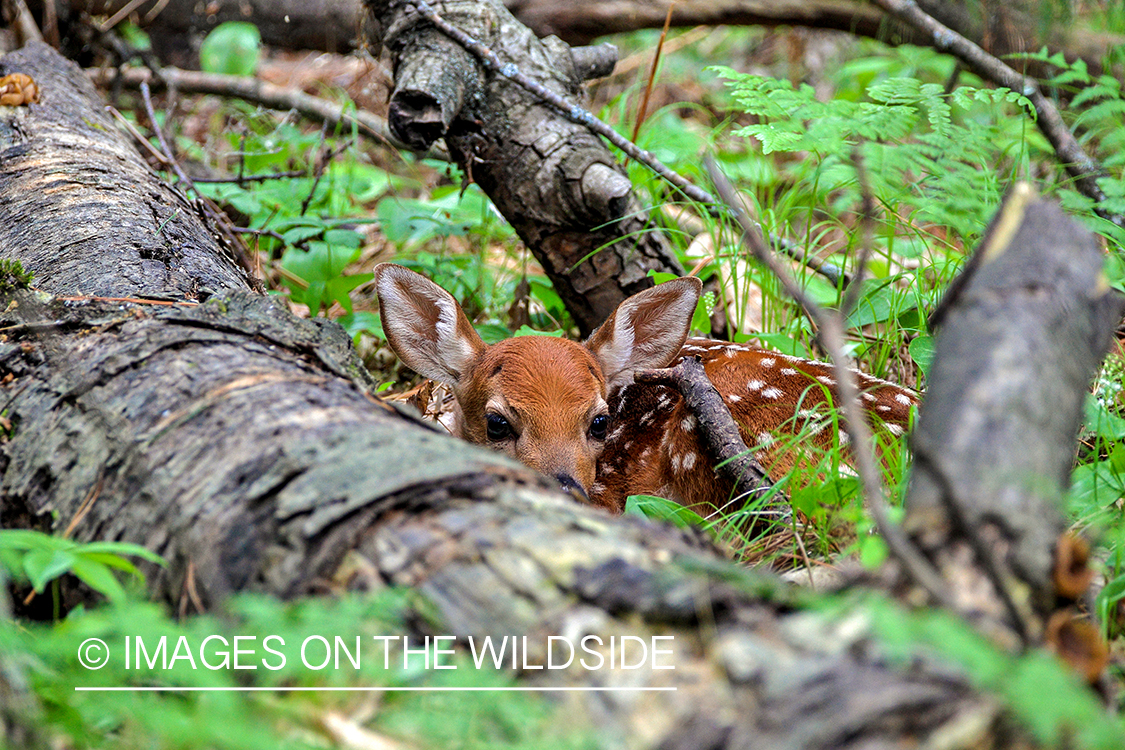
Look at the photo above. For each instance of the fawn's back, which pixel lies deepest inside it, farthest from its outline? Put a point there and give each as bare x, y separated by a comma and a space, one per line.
573, 412
783, 406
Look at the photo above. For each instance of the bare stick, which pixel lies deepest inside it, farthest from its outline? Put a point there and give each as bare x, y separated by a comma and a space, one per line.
736, 463
1077, 162
266, 94
652, 72
832, 337
22, 22
867, 230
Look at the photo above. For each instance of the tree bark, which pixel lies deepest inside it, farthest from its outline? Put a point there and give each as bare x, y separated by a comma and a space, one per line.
138, 236
991, 465
553, 180
242, 444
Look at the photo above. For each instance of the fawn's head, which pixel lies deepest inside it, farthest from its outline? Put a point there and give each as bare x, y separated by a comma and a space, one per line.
540, 399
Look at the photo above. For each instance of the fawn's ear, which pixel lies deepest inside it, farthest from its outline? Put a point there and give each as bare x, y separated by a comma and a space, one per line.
645, 331
425, 325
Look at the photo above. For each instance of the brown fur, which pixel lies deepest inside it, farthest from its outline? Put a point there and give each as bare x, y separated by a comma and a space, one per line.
649, 452
550, 390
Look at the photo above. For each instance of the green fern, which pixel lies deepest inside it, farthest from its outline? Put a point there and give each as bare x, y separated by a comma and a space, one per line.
921, 144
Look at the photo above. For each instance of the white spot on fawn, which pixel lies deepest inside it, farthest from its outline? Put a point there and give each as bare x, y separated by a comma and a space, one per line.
688, 424
764, 438
788, 371
733, 398
646, 418
689, 461
895, 429
902, 398
826, 380
882, 407
597, 488
772, 392
868, 397
767, 362
676, 464
607, 469
756, 385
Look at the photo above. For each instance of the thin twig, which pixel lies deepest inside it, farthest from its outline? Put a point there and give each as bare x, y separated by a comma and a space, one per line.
171, 157
325, 158
867, 232
265, 94
568, 109
652, 72
832, 338
218, 218
1075, 160
23, 23
137, 136
242, 179
119, 16
736, 462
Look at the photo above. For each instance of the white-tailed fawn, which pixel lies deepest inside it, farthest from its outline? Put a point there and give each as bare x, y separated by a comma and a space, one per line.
573, 412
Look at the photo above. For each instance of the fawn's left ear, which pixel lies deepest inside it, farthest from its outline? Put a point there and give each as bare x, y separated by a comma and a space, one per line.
645, 331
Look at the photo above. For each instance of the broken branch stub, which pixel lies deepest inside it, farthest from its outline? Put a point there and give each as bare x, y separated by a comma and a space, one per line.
1021, 334
551, 178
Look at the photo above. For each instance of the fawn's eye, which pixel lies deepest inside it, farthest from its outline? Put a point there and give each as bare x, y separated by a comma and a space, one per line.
599, 426
498, 427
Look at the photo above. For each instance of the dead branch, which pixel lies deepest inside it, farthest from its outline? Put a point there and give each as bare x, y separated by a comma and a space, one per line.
257, 92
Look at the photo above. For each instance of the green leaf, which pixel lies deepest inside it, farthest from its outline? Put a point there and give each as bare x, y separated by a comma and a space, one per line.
872, 551
111, 560
122, 549
922, 352
529, 331
1108, 598
661, 509
492, 333
232, 48
358, 323
100, 578
26, 539
45, 565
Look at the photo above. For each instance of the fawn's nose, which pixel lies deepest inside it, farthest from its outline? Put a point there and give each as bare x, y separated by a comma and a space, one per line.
571, 486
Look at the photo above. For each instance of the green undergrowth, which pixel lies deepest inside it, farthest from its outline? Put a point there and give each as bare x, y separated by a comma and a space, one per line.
261, 673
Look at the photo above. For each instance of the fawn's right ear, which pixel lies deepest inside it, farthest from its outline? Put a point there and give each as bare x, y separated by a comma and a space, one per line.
645, 331
425, 325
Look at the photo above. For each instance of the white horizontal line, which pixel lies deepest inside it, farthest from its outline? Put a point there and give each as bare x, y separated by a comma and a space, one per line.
367, 689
